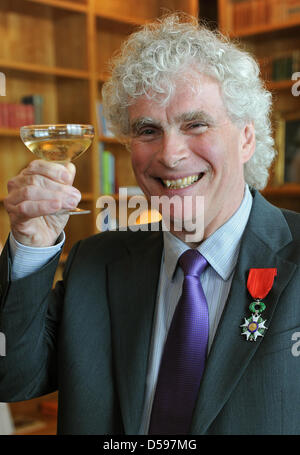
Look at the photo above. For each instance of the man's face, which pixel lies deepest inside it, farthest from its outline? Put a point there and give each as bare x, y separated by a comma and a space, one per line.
191, 138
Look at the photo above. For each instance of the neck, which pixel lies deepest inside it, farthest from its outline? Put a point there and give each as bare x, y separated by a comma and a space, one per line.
195, 238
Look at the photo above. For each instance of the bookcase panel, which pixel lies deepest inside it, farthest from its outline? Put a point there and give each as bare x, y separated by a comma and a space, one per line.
285, 103
274, 43
4, 225
71, 2
130, 8
188, 6
72, 100
242, 17
14, 157
109, 37
123, 169
22, 83
39, 34
70, 39
28, 30
83, 182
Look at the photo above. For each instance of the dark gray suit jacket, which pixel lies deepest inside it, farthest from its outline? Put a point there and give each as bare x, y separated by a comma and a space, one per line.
90, 337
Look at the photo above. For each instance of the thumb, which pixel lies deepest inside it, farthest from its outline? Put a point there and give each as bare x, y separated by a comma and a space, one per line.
72, 170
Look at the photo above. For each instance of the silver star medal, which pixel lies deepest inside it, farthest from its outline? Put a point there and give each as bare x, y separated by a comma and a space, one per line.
254, 326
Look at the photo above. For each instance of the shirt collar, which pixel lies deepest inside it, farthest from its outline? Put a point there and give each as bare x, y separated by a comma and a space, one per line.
221, 249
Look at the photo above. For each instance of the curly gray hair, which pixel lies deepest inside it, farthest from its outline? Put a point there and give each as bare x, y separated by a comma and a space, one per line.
154, 56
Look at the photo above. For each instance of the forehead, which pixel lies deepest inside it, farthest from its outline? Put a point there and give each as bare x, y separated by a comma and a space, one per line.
193, 92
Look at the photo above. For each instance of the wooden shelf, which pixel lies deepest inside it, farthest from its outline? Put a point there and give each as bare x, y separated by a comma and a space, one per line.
102, 77
108, 140
287, 190
122, 19
280, 85
71, 6
43, 69
87, 196
59, 49
263, 29
10, 132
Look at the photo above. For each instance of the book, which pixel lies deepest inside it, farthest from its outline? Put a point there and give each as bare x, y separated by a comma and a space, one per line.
107, 171
252, 13
291, 10
15, 115
37, 102
103, 127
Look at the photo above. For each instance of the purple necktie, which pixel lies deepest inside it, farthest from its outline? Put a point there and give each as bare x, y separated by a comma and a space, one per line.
184, 354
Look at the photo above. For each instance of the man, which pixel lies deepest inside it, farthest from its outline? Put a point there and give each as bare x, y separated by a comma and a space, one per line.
192, 110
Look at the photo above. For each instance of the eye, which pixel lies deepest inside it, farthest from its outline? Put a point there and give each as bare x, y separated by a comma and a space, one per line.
147, 133
196, 127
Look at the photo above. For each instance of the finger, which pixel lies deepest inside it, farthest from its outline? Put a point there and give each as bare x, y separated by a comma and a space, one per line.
51, 170
27, 210
67, 195
41, 183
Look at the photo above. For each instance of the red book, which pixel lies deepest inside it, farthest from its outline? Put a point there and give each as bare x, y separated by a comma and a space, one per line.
30, 114
1, 116
12, 115
5, 119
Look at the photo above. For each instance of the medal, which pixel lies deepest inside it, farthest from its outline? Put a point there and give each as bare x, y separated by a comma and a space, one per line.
259, 284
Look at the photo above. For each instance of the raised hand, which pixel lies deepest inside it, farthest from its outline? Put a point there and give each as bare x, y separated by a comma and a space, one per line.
35, 196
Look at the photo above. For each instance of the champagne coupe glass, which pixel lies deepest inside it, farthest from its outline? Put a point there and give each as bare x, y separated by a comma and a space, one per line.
58, 143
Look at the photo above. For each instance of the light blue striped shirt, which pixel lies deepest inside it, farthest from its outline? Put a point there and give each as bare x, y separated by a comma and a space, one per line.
221, 251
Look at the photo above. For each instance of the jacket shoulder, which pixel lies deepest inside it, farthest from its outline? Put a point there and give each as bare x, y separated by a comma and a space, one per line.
293, 221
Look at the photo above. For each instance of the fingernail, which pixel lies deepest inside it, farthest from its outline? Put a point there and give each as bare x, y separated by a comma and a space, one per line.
71, 202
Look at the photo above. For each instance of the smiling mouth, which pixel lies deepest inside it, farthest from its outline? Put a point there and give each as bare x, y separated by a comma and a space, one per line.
182, 182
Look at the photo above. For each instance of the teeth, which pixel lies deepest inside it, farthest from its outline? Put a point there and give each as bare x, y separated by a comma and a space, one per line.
181, 183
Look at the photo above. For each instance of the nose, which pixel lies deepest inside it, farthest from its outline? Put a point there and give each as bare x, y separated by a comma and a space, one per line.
173, 149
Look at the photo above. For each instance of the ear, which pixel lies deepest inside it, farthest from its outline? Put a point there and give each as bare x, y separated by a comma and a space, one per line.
247, 142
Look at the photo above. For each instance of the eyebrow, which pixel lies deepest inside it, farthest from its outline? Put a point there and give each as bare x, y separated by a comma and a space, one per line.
195, 115
184, 117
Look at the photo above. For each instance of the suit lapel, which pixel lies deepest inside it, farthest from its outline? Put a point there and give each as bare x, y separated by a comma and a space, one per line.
132, 287
231, 353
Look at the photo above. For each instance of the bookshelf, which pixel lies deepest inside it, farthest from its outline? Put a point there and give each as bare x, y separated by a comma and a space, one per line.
59, 49
67, 70
270, 30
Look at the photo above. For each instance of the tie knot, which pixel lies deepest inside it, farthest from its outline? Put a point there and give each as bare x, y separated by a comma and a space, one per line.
192, 263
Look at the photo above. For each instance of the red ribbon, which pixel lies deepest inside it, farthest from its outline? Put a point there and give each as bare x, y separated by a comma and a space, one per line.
260, 282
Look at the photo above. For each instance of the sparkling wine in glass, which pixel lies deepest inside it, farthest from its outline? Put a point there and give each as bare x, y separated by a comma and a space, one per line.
59, 143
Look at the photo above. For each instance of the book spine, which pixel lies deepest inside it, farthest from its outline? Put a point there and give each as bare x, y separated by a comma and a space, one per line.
112, 173
37, 102
105, 172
